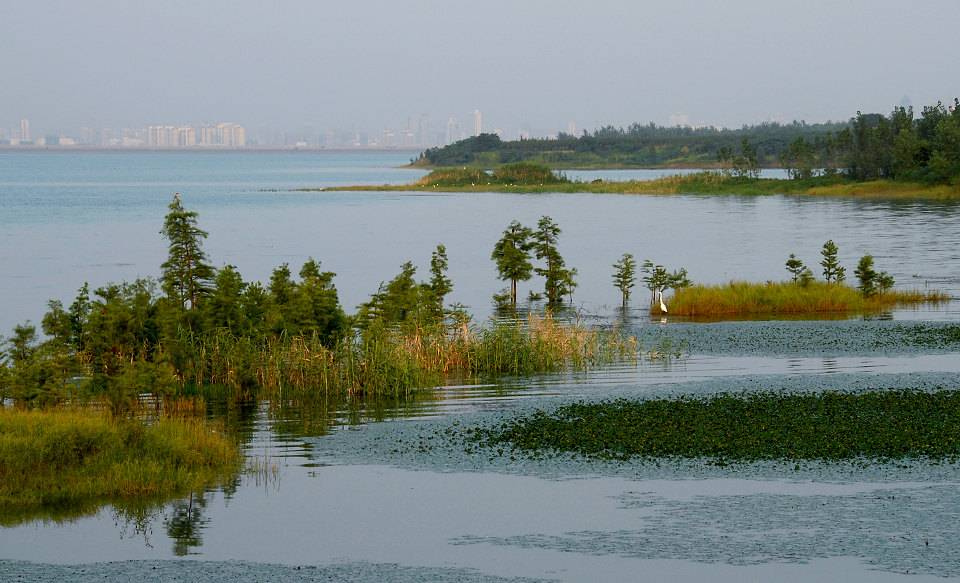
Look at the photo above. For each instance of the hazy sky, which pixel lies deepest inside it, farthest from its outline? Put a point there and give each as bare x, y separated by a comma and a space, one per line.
534, 64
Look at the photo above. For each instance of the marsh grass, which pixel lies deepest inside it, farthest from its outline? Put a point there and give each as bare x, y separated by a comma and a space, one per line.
703, 182
51, 461
742, 298
396, 361
880, 425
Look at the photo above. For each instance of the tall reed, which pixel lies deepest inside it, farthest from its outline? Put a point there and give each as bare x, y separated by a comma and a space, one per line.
395, 361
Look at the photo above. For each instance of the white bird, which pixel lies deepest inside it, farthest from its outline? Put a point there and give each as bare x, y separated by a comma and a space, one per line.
663, 306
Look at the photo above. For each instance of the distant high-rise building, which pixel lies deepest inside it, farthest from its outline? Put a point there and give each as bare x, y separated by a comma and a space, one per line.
453, 131
25, 130
572, 128
477, 125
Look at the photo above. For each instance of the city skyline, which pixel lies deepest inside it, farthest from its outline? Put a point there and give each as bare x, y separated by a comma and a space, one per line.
301, 69
419, 131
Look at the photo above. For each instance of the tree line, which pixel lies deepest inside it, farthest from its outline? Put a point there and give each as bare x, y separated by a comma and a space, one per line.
899, 146
638, 145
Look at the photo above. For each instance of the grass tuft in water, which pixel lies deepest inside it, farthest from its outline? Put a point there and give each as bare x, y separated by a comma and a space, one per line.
62, 460
743, 298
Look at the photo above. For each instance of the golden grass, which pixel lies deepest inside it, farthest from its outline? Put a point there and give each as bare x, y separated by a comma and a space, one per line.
396, 361
66, 459
742, 298
886, 188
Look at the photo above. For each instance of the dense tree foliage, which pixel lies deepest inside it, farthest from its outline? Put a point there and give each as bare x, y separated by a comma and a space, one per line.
558, 279
186, 274
898, 146
638, 145
512, 256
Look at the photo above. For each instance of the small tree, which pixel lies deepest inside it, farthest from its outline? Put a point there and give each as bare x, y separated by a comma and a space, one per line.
512, 255
186, 275
658, 279
872, 282
798, 159
832, 271
440, 285
625, 276
558, 279
795, 267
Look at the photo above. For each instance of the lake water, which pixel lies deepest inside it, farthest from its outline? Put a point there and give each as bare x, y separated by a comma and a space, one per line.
356, 499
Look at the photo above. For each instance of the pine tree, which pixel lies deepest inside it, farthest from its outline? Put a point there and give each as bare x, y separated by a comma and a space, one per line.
625, 277
440, 285
832, 271
512, 255
558, 280
187, 278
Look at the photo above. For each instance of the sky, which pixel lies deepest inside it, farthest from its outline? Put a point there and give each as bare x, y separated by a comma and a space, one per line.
525, 64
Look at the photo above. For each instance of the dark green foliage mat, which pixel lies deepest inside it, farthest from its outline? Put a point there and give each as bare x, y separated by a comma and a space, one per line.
884, 424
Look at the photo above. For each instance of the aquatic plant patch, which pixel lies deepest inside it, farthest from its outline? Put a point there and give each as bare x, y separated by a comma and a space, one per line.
845, 337
834, 425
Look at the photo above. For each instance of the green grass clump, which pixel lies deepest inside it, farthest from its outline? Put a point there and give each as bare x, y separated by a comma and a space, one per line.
738, 298
837, 426
56, 461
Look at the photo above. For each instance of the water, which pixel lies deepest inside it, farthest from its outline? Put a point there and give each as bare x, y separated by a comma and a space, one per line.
368, 492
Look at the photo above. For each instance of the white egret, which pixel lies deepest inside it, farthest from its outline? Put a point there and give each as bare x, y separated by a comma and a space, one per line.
663, 306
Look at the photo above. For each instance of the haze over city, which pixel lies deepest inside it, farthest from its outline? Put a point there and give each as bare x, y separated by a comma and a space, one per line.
297, 70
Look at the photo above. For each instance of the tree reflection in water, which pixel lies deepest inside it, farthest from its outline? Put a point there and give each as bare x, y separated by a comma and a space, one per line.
185, 523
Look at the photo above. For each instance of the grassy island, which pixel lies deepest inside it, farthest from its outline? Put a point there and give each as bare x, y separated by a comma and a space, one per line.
830, 426
70, 461
739, 298
535, 180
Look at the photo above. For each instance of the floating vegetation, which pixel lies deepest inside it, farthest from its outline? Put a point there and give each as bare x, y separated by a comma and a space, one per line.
830, 426
771, 338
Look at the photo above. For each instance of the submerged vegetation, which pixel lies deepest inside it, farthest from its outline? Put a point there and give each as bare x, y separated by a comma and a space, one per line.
72, 461
830, 426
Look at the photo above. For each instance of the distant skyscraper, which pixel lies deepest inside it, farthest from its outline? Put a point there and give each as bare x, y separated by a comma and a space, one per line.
25, 130
572, 128
679, 120
477, 125
453, 130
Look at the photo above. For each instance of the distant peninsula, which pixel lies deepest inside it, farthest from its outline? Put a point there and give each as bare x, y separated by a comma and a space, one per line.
899, 154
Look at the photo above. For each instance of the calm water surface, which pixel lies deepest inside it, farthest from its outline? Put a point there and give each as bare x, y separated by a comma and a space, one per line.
380, 498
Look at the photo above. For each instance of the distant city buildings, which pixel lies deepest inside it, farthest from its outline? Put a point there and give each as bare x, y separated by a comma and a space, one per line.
419, 131
222, 134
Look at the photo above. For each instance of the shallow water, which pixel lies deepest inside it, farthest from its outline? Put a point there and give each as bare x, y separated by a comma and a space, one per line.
387, 492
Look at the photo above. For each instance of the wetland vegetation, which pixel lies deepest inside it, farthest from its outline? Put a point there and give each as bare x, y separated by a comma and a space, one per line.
70, 461
770, 425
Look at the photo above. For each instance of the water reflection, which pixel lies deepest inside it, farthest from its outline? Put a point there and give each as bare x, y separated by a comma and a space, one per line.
184, 524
